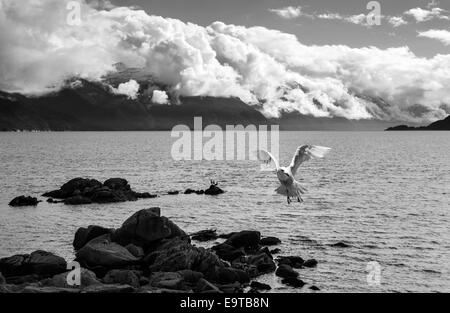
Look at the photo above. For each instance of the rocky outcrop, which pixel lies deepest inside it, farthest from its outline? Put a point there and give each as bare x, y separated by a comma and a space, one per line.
84, 235
85, 191
24, 201
42, 264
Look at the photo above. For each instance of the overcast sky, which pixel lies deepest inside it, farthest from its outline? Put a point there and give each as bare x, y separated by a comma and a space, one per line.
310, 28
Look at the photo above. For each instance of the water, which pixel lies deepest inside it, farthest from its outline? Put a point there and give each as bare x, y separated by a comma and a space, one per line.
385, 194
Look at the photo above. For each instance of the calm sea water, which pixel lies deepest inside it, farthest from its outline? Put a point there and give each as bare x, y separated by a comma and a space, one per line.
387, 195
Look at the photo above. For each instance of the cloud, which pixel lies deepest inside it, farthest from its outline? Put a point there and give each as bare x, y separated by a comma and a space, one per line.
288, 12
397, 21
422, 15
262, 67
438, 34
129, 89
160, 97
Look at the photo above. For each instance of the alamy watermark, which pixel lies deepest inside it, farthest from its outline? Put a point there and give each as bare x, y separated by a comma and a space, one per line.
213, 143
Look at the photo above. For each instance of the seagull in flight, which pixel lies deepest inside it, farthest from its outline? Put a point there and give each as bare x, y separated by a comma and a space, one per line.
289, 186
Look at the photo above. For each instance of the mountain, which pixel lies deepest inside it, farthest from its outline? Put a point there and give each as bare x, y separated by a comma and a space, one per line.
90, 106
438, 125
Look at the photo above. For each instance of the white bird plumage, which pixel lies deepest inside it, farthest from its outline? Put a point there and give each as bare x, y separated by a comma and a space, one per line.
286, 175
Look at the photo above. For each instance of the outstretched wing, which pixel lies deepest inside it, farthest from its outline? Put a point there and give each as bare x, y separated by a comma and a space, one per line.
306, 153
267, 157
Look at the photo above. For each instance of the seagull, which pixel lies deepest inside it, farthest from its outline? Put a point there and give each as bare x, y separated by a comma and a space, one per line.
289, 186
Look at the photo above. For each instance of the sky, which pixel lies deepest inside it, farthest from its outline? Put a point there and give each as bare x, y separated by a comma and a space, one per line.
314, 31
318, 58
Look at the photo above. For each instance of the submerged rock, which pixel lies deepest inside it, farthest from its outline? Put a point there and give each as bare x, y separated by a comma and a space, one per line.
293, 261
246, 239
293, 282
270, 241
340, 245
205, 235
260, 286
286, 271
310, 263
77, 200
24, 201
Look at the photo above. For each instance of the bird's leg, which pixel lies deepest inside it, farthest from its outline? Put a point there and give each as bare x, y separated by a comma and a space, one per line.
288, 200
299, 198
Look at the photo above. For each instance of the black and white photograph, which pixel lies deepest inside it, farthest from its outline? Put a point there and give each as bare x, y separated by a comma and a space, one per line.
222, 152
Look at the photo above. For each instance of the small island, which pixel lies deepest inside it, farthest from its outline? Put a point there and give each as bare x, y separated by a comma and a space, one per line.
438, 125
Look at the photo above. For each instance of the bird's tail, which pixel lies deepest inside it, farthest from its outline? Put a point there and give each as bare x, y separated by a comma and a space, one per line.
295, 190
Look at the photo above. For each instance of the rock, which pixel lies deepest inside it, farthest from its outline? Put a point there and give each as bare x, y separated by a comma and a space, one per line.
146, 227
227, 252
315, 288
123, 277
228, 275
57, 194
246, 239
138, 252
144, 195
15, 265
117, 184
213, 190
340, 245
270, 241
310, 263
177, 254
205, 235
226, 236
205, 286
190, 276
275, 251
108, 289
84, 235
293, 282
24, 201
87, 278
2, 279
293, 261
24, 279
173, 193
41, 263
77, 200
53, 201
50, 290
231, 288
105, 195
189, 191
286, 271
255, 265
167, 280
200, 192
260, 286
101, 251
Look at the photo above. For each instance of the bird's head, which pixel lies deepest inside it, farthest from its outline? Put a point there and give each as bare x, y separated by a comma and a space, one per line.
282, 174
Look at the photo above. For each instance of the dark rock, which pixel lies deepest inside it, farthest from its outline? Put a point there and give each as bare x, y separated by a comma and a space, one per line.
53, 201
135, 250
261, 261
2, 279
285, 271
24, 279
49, 290
260, 286
190, 276
178, 254
173, 193
77, 200
231, 288
84, 235
293, 282
40, 263
117, 184
275, 251
122, 277
246, 239
339, 245
213, 190
108, 289
226, 236
24, 201
200, 192
270, 241
310, 263
205, 286
168, 280
189, 191
101, 251
146, 227
144, 195
315, 288
293, 261
77, 184
57, 194
228, 275
205, 235
227, 252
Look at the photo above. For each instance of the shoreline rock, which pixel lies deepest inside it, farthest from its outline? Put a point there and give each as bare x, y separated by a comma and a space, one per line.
22, 201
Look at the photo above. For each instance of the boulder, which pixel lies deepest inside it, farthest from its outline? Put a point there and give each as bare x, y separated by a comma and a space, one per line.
144, 195
270, 241
191, 277
255, 265
77, 200
177, 254
146, 227
24, 201
205, 235
227, 252
259, 286
293, 282
286, 271
205, 286
173, 193
293, 261
24, 279
228, 275
78, 184
84, 235
123, 277
117, 184
40, 263
314, 288
246, 239
310, 263
275, 251
168, 280
138, 252
87, 278
101, 251
213, 190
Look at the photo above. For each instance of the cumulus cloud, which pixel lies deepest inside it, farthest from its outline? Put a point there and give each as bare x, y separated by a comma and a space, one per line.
438, 34
262, 67
422, 15
160, 97
129, 89
288, 12
397, 21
